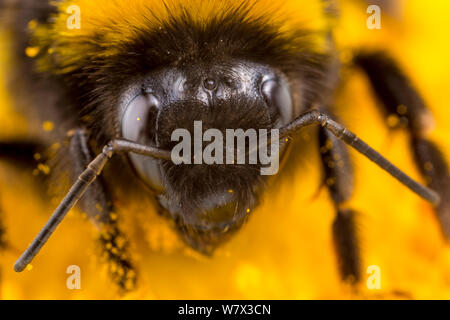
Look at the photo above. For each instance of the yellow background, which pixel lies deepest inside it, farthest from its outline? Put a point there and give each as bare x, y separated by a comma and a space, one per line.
285, 251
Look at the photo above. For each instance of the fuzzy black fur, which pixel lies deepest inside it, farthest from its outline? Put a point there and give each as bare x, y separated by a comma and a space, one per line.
181, 42
338, 177
431, 163
191, 188
346, 245
393, 88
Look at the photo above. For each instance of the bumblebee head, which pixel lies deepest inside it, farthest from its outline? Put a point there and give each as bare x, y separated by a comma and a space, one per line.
231, 69
221, 95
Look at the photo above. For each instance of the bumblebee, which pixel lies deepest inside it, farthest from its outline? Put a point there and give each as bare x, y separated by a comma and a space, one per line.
131, 73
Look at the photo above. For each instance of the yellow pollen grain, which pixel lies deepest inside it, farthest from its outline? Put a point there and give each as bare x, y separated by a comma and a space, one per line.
138, 119
32, 24
230, 191
55, 146
392, 120
99, 207
248, 210
402, 109
131, 274
29, 267
37, 156
32, 52
44, 168
113, 267
129, 285
428, 166
48, 126
120, 242
330, 181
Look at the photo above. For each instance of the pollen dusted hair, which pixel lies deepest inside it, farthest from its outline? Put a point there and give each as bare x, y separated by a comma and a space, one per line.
98, 61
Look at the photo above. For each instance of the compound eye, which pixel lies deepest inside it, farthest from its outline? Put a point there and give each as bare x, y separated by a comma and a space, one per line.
139, 125
278, 98
139, 118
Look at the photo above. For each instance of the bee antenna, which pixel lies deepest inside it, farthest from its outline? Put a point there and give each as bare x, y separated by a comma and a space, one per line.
85, 179
317, 118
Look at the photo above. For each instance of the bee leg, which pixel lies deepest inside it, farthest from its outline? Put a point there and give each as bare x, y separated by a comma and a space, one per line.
97, 205
404, 105
338, 176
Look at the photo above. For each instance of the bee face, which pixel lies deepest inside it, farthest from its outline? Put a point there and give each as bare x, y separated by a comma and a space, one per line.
222, 95
228, 69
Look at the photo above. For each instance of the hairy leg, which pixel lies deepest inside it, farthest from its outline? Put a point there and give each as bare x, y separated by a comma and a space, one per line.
402, 102
97, 205
338, 177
